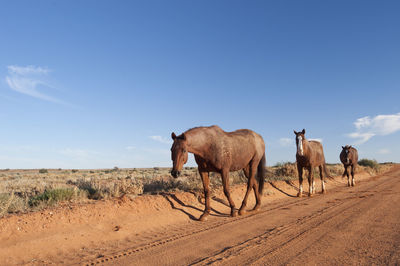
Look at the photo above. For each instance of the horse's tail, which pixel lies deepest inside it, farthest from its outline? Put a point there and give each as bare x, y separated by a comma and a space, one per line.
261, 174
326, 171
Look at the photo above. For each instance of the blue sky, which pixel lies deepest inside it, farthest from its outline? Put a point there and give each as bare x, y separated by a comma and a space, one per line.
98, 84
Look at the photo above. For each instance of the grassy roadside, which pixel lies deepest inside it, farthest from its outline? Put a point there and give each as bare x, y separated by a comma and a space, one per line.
31, 190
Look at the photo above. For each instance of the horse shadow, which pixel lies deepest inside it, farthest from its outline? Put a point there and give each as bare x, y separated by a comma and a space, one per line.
284, 192
290, 183
174, 201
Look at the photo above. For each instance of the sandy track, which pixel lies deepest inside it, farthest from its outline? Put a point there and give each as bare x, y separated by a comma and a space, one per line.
359, 225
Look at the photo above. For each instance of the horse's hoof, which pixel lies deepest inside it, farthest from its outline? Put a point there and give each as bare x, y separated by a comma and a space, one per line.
323, 191
203, 217
242, 212
299, 195
234, 213
310, 195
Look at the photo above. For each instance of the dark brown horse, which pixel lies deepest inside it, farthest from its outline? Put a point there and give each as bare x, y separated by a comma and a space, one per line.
349, 157
218, 151
309, 154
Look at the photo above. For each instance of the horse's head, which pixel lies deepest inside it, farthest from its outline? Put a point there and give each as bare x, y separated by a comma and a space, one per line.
179, 153
346, 152
299, 141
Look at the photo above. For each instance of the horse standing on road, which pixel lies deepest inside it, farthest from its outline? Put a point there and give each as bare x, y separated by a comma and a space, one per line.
349, 157
309, 154
218, 151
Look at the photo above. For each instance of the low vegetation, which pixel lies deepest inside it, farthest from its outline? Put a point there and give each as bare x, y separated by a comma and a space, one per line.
26, 190
369, 163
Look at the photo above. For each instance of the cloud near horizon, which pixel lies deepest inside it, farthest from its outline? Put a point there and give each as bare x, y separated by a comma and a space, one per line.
26, 80
380, 125
286, 142
161, 139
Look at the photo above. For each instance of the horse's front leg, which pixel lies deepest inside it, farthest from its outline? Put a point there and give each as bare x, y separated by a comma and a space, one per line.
225, 183
206, 183
353, 182
346, 172
300, 170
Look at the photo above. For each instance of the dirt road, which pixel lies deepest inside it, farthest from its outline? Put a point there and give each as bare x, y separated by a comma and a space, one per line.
359, 225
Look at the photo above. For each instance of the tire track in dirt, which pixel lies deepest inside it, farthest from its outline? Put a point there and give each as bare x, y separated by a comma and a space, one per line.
195, 228
297, 231
292, 231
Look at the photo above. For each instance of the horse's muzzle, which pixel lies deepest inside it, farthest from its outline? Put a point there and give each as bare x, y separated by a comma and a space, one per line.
175, 173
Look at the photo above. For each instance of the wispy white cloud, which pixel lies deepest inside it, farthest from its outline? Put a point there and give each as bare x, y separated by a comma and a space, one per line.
286, 142
27, 70
384, 151
380, 125
130, 148
161, 139
28, 79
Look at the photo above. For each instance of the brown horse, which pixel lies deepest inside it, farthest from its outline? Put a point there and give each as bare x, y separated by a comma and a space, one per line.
218, 151
349, 157
309, 154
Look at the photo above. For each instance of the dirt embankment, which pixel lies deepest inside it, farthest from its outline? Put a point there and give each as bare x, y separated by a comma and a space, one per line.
122, 230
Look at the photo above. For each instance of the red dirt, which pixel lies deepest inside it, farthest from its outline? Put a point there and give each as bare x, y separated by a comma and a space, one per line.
357, 225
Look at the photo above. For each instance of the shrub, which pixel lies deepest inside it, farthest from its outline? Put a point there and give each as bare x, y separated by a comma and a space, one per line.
100, 189
369, 163
282, 164
10, 203
53, 196
75, 170
160, 185
43, 171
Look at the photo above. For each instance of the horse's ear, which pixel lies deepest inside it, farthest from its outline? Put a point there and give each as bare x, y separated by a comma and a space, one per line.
173, 136
295, 132
304, 131
342, 147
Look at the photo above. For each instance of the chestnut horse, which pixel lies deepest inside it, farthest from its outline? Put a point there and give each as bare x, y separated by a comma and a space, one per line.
309, 154
218, 151
349, 157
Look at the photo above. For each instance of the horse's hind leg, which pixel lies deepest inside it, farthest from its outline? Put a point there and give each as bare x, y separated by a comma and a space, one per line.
225, 183
313, 185
322, 179
353, 182
257, 195
250, 182
310, 179
206, 181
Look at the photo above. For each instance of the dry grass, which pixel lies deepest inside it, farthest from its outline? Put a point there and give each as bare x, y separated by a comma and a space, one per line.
25, 190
